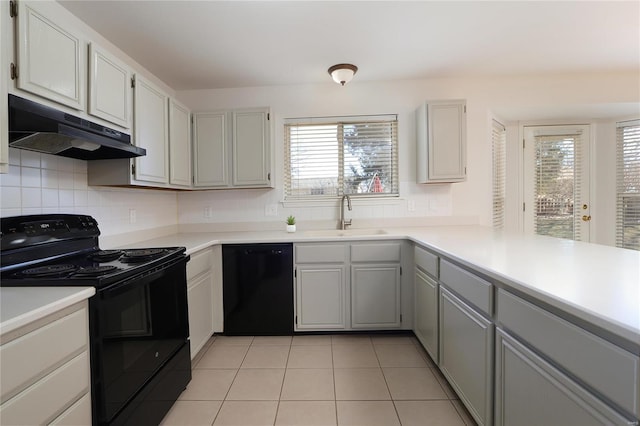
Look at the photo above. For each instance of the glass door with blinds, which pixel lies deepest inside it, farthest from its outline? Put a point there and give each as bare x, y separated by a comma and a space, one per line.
628, 185
556, 181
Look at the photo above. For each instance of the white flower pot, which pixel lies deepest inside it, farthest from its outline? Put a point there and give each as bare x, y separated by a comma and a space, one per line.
291, 228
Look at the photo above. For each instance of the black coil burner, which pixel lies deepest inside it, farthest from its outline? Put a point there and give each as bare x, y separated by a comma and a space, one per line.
95, 271
106, 255
49, 271
141, 255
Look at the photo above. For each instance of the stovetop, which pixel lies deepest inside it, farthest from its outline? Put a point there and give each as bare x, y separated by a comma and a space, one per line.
96, 268
62, 250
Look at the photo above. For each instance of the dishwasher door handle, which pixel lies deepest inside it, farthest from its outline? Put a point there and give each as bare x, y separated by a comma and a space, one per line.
267, 251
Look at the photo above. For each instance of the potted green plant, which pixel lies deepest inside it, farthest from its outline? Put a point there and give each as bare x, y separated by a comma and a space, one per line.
291, 224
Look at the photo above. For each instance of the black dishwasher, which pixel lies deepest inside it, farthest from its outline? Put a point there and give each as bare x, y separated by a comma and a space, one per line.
258, 289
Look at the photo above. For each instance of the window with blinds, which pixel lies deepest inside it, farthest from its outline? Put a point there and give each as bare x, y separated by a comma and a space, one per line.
557, 185
628, 185
498, 148
330, 157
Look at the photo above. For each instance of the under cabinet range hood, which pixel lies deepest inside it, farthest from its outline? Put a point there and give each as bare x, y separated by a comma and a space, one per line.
44, 129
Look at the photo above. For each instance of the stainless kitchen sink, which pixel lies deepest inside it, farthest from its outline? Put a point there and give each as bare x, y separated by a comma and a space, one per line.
345, 232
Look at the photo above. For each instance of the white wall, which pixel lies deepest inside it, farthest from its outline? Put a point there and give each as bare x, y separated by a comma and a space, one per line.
590, 96
42, 183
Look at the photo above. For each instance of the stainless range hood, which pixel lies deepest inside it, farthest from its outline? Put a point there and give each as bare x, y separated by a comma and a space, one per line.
39, 128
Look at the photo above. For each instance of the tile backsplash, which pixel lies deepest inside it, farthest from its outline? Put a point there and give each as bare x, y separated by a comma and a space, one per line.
43, 183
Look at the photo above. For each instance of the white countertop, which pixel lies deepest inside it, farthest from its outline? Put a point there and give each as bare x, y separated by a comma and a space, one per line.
20, 306
596, 283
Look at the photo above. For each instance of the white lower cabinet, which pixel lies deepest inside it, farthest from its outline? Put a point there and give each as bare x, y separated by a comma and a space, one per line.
426, 306
530, 391
375, 296
348, 286
320, 296
44, 371
466, 354
200, 299
570, 369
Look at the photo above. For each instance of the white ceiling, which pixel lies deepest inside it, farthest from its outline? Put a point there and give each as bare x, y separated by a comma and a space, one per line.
221, 44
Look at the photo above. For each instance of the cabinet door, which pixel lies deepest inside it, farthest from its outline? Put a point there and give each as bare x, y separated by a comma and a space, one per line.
210, 149
529, 391
251, 148
109, 87
441, 144
466, 355
200, 301
51, 58
375, 296
426, 305
320, 297
151, 131
5, 24
179, 144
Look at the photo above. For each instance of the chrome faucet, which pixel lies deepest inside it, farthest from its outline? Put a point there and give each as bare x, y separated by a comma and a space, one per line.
344, 223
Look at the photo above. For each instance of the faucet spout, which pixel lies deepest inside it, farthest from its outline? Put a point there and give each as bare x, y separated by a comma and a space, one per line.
344, 223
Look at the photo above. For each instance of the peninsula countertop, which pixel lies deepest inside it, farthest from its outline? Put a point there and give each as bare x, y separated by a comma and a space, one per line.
595, 283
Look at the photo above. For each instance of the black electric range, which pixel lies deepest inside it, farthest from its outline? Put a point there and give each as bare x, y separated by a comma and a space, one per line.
138, 318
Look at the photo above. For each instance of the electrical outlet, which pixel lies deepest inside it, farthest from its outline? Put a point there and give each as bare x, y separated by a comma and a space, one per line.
271, 210
132, 216
411, 205
208, 212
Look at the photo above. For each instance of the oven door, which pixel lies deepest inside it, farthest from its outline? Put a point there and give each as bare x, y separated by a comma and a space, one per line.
137, 326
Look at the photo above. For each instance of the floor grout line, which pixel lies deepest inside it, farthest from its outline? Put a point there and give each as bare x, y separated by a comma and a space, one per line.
367, 342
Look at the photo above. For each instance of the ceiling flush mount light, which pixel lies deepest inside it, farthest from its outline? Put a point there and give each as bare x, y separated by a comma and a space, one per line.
342, 73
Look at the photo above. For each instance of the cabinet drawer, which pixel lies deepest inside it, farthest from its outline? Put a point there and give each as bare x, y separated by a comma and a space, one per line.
325, 253
199, 263
531, 391
375, 252
605, 367
44, 400
32, 356
78, 414
426, 261
469, 286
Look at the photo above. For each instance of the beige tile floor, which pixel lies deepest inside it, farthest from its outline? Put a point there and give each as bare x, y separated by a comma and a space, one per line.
317, 380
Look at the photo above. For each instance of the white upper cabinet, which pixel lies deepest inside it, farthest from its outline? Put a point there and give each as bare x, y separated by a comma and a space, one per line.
441, 141
179, 144
251, 148
5, 24
151, 131
232, 149
210, 149
109, 87
51, 58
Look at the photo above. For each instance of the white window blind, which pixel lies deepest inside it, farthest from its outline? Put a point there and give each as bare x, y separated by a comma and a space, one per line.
498, 147
557, 185
628, 185
330, 157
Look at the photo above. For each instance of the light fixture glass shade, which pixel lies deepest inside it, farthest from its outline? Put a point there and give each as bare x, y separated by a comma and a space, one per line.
342, 73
